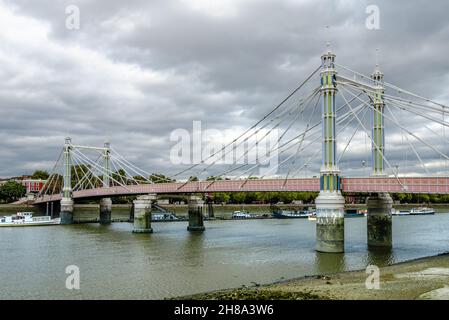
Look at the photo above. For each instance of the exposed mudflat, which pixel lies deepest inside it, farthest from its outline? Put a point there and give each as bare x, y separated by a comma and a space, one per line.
426, 278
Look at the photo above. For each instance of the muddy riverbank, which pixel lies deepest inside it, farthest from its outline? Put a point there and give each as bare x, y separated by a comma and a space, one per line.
425, 278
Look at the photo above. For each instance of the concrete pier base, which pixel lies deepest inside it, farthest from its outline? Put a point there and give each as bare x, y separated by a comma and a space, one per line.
66, 213
330, 226
105, 210
379, 221
196, 205
142, 213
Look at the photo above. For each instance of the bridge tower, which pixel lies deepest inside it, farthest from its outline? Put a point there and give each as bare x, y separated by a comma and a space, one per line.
330, 202
379, 222
67, 199
106, 203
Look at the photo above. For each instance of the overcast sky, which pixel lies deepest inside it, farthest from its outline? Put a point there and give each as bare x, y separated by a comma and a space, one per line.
136, 70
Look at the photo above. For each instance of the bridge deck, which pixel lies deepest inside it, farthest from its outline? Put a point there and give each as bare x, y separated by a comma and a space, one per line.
436, 185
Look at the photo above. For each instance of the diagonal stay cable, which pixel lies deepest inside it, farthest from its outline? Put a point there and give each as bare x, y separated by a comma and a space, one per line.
306, 100
257, 123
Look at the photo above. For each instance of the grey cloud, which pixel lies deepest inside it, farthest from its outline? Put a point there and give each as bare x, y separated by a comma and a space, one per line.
97, 83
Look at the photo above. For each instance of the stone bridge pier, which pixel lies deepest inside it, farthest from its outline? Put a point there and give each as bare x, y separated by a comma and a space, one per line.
379, 221
66, 213
195, 205
142, 213
105, 210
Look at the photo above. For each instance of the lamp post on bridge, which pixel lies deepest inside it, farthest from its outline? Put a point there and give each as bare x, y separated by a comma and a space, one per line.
379, 220
66, 213
330, 202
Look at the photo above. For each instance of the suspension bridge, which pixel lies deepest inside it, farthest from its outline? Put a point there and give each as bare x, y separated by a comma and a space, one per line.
346, 97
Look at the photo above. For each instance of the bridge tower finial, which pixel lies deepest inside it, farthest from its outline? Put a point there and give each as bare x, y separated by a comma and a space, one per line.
328, 43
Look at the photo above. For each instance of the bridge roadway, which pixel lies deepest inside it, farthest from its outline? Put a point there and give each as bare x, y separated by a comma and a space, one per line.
431, 185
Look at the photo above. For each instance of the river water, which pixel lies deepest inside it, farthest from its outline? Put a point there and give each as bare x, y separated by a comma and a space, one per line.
115, 263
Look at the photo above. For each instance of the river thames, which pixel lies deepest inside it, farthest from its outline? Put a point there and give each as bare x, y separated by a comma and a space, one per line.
114, 263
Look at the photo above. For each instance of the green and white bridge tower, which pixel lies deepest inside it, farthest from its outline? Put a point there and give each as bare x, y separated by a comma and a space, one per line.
106, 203
66, 213
379, 205
330, 202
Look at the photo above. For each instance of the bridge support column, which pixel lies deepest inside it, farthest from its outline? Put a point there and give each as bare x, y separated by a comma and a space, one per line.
330, 226
105, 210
66, 213
142, 213
196, 205
379, 221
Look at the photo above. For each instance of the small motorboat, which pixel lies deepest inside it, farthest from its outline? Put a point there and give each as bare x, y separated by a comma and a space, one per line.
240, 215
25, 219
421, 211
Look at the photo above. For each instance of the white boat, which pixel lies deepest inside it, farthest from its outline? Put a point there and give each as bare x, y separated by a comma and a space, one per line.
25, 219
395, 212
240, 215
421, 211
163, 217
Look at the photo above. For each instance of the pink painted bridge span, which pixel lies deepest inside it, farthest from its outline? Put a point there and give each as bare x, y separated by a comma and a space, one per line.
431, 185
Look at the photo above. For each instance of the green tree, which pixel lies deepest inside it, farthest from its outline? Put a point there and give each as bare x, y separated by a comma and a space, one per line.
160, 178
238, 197
119, 177
54, 184
40, 174
12, 191
221, 197
212, 178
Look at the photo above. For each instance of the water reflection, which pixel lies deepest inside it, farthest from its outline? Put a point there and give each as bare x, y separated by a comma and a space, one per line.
380, 256
329, 262
194, 248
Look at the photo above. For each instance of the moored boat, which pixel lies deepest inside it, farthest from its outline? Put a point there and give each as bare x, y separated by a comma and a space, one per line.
421, 211
240, 215
163, 217
25, 219
286, 214
395, 212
